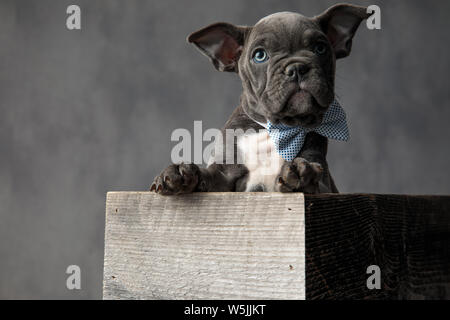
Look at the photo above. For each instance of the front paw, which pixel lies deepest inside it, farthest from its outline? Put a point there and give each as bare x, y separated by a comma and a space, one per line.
299, 175
176, 179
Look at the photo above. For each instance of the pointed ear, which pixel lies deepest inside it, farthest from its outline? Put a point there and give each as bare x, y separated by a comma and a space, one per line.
222, 43
340, 23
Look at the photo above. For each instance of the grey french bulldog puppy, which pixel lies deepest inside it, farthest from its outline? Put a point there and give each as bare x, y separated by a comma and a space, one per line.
287, 66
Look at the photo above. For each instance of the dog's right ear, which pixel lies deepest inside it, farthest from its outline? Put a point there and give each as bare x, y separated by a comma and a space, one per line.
340, 23
222, 43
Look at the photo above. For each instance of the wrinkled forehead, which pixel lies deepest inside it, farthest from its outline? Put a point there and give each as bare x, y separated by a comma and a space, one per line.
280, 26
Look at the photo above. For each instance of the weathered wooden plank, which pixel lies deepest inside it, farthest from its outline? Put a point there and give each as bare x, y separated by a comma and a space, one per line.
408, 237
237, 245
204, 246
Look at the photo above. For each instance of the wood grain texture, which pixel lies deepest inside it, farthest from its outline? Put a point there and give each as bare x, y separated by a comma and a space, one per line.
241, 245
408, 237
204, 246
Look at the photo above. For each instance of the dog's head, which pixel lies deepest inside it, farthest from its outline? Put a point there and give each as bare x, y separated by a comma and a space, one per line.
286, 61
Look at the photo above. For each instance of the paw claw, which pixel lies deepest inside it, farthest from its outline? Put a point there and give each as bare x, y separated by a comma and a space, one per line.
176, 179
299, 175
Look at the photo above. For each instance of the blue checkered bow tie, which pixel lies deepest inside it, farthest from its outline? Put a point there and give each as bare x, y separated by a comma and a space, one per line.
289, 140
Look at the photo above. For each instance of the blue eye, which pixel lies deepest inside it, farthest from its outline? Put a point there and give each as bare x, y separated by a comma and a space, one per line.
320, 48
260, 56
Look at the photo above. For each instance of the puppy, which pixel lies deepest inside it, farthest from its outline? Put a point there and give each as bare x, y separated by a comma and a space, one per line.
287, 110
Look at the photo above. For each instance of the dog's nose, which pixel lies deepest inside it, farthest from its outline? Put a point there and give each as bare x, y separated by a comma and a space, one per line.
295, 71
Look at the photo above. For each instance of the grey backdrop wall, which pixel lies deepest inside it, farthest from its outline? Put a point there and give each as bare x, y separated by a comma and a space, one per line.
84, 112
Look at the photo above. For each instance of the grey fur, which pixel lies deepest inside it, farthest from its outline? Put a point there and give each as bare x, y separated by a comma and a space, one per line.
294, 86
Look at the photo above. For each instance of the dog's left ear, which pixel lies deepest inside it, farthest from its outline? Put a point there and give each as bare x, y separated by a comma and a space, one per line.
340, 23
222, 43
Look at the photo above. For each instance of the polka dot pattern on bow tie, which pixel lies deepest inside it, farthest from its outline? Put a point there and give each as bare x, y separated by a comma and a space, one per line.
289, 140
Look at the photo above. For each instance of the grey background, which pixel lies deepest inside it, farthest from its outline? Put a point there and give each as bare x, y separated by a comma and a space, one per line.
84, 112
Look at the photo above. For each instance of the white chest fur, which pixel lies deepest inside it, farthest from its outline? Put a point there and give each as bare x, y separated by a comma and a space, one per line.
261, 159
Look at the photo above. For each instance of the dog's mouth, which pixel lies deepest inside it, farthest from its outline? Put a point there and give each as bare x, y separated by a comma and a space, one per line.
306, 121
300, 109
